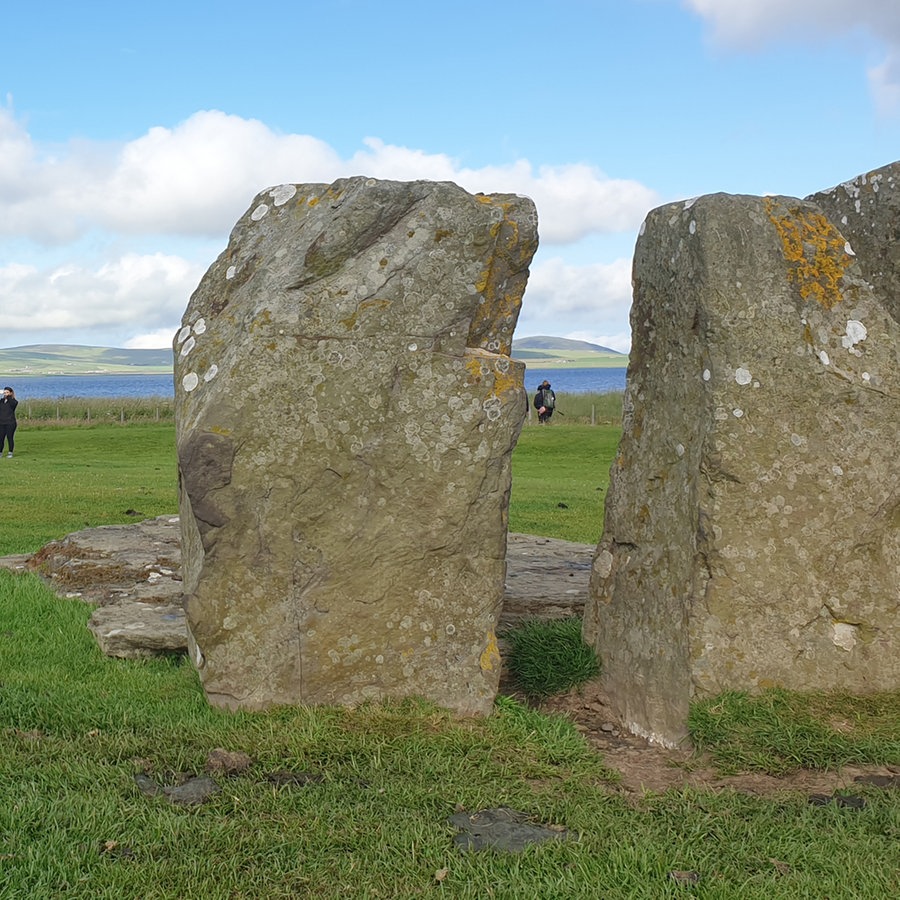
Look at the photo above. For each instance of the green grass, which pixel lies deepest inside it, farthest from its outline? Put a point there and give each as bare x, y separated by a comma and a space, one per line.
75, 727
779, 731
65, 479
560, 479
550, 657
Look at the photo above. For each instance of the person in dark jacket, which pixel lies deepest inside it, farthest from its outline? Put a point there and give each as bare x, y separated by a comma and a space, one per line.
544, 402
8, 404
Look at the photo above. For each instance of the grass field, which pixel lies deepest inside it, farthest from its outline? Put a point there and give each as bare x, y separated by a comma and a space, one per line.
354, 804
65, 479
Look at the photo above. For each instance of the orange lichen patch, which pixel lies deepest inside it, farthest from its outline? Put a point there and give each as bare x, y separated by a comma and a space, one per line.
504, 381
817, 253
490, 656
441, 233
483, 364
473, 366
313, 201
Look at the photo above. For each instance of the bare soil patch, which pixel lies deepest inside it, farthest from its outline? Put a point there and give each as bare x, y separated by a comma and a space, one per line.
645, 767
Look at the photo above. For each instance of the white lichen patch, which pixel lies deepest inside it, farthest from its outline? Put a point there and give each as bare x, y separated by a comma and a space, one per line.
742, 376
230, 272
281, 194
706, 374
259, 212
184, 334
188, 345
190, 381
211, 373
824, 358
737, 413
855, 334
843, 635
848, 249
603, 564
200, 326
492, 408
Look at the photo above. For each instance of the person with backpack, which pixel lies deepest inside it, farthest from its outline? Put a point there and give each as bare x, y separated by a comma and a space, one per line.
544, 402
8, 404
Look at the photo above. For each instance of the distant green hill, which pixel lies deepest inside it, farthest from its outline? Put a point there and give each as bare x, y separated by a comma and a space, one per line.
73, 359
545, 352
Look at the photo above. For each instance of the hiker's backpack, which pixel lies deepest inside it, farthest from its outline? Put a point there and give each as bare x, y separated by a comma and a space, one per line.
549, 399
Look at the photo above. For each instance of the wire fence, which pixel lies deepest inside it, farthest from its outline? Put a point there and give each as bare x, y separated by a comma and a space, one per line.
96, 410
572, 409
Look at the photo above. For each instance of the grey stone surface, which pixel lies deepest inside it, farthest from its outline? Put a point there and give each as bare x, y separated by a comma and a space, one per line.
546, 578
130, 629
503, 829
752, 531
137, 562
346, 408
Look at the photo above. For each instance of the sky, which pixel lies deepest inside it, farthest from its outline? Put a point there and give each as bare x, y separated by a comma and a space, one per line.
133, 136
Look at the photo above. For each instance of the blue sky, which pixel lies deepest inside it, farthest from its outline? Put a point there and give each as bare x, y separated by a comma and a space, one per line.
132, 137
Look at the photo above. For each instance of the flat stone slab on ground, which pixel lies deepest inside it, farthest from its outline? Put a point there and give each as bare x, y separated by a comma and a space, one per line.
133, 574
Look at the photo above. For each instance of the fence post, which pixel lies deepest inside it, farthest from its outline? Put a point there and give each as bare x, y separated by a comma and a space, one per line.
122, 416
592, 414
57, 412
89, 415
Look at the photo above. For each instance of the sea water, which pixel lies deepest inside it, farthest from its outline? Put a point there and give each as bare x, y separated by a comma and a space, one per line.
41, 387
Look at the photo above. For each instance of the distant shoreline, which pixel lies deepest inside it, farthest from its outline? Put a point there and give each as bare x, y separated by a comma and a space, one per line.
118, 373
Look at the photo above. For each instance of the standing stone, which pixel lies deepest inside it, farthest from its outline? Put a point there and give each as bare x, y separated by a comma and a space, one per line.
346, 410
752, 533
867, 211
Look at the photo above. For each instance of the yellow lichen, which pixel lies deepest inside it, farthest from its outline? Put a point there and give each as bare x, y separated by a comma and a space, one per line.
490, 656
816, 251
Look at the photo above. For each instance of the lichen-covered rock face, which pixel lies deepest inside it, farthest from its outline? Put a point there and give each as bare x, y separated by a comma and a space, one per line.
867, 211
752, 532
346, 410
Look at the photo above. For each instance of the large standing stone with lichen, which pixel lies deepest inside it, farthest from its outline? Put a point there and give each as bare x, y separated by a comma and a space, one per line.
346, 410
752, 533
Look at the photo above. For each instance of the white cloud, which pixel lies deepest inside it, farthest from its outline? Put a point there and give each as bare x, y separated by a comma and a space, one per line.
563, 300
186, 186
199, 177
573, 201
884, 81
753, 22
154, 340
150, 290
